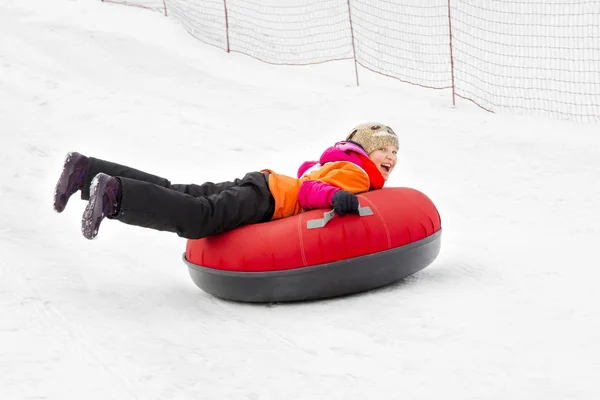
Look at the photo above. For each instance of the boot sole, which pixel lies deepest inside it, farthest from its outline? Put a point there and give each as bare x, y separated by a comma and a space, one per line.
61, 185
93, 211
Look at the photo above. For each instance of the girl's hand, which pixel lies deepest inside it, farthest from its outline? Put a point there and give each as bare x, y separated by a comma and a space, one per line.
344, 202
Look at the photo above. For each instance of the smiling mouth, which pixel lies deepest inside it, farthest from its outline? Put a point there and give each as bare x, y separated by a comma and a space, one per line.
386, 167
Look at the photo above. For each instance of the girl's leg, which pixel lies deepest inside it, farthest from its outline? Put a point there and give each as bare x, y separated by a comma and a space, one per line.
96, 166
79, 170
205, 189
148, 205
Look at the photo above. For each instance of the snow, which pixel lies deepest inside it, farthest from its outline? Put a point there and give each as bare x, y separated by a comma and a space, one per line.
509, 310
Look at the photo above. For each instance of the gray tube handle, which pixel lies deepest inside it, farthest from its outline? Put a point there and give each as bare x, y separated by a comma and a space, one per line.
327, 216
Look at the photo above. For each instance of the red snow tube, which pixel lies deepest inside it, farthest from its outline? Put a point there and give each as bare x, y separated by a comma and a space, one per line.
285, 260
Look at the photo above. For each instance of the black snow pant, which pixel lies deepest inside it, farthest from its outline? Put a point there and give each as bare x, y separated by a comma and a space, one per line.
192, 211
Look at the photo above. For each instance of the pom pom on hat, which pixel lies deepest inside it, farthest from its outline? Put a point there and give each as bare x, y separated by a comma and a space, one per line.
372, 136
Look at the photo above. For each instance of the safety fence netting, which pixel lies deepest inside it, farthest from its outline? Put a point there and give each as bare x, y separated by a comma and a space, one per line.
539, 57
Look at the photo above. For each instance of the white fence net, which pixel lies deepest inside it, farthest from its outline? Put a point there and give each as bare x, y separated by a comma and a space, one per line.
307, 32
529, 56
407, 40
522, 56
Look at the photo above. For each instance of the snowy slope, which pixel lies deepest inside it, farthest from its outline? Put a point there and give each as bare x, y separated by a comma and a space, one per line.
509, 310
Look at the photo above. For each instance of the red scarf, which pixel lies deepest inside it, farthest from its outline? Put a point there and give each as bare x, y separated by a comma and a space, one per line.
375, 176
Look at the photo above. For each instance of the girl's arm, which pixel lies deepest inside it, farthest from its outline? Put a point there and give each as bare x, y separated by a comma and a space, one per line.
315, 194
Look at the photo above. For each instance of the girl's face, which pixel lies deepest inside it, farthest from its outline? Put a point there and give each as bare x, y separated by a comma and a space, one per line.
385, 158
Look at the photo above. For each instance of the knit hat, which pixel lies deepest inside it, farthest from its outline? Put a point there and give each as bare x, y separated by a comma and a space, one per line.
372, 136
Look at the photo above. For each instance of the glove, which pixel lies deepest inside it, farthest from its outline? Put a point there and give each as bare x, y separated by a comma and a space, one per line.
344, 202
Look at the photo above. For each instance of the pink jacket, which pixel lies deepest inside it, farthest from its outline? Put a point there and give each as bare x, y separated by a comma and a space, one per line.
316, 194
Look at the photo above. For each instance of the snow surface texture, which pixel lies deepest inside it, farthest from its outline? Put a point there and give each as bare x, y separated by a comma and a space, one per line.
509, 310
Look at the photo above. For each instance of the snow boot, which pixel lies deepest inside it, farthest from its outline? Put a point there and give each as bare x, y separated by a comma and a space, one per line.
105, 198
71, 179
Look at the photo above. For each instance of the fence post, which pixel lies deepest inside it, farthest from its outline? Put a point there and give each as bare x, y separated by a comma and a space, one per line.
165, 7
353, 46
226, 24
451, 54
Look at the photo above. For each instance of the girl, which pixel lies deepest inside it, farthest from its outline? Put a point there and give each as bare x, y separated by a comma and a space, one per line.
362, 162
